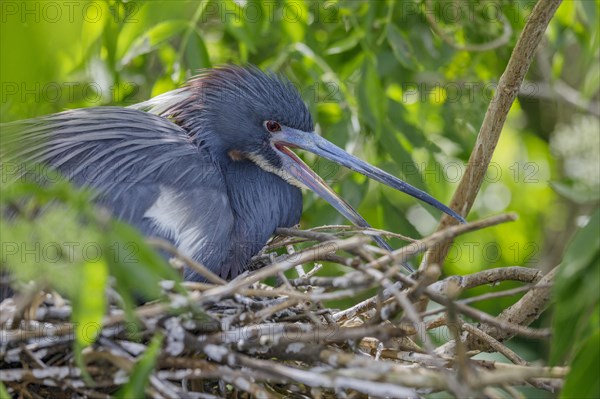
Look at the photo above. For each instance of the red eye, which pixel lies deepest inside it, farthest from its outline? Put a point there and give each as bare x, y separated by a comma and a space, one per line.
273, 126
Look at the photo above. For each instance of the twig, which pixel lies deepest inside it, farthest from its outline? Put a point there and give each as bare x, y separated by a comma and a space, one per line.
494, 344
304, 256
440, 236
363, 230
311, 235
500, 294
515, 273
195, 266
510, 327
524, 312
491, 276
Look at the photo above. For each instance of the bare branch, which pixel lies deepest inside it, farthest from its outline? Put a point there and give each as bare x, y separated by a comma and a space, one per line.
491, 128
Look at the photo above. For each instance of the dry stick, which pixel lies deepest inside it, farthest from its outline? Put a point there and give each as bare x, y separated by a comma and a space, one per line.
402, 299
418, 247
521, 314
517, 373
304, 256
458, 384
122, 359
348, 280
493, 343
301, 273
144, 311
491, 295
292, 334
331, 379
491, 276
524, 312
489, 134
306, 296
500, 294
430, 378
197, 267
512, 273
479, 315
439, 237
370, 231
22, 302
310, 235
428, 361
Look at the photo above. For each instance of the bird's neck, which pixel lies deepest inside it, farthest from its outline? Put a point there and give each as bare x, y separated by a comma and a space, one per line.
261, 202
261, 198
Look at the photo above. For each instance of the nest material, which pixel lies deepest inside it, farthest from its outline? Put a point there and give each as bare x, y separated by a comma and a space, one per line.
247, 339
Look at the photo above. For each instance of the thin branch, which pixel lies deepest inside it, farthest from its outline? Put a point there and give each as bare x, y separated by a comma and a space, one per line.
495, 344
289, 262
524, 312
195, 266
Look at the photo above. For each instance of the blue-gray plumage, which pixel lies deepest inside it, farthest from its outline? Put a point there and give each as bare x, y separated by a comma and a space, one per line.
207, 167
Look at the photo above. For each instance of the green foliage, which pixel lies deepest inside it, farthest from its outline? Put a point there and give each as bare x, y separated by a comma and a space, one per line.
58, 238
576, 323
577, 294
90, 304
582, 381
3, 392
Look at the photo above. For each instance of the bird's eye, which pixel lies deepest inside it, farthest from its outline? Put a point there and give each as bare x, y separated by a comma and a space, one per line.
273, 126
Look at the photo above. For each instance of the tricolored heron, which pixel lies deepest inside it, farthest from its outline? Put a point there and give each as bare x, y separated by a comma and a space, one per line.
208, 167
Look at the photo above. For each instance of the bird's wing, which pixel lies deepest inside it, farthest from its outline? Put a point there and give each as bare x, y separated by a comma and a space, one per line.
144, 168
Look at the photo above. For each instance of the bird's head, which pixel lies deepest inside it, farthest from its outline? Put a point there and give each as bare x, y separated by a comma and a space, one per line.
261, 117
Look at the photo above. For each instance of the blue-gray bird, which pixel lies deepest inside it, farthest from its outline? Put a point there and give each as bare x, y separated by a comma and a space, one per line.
208, 167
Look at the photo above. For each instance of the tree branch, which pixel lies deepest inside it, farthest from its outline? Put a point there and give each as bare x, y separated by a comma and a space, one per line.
495, 117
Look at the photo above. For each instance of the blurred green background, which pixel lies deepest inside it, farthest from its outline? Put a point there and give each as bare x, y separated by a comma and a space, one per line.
402, 84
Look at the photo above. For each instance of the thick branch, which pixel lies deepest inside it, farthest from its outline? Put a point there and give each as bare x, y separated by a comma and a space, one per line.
524, 312
489, 134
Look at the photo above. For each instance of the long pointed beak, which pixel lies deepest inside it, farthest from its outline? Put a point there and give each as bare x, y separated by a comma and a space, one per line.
292, 138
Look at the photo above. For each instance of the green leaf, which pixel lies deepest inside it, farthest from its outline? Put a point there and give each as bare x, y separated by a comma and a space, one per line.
577, 291
137, 268
345, 44
398, 115
582, 381
394, 218
353, 191
3, 391
90, 304
196, 53
371, 97
152, 38
138, 380
401, 47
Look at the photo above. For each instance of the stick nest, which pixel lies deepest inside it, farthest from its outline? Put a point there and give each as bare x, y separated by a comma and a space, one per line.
244, 338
